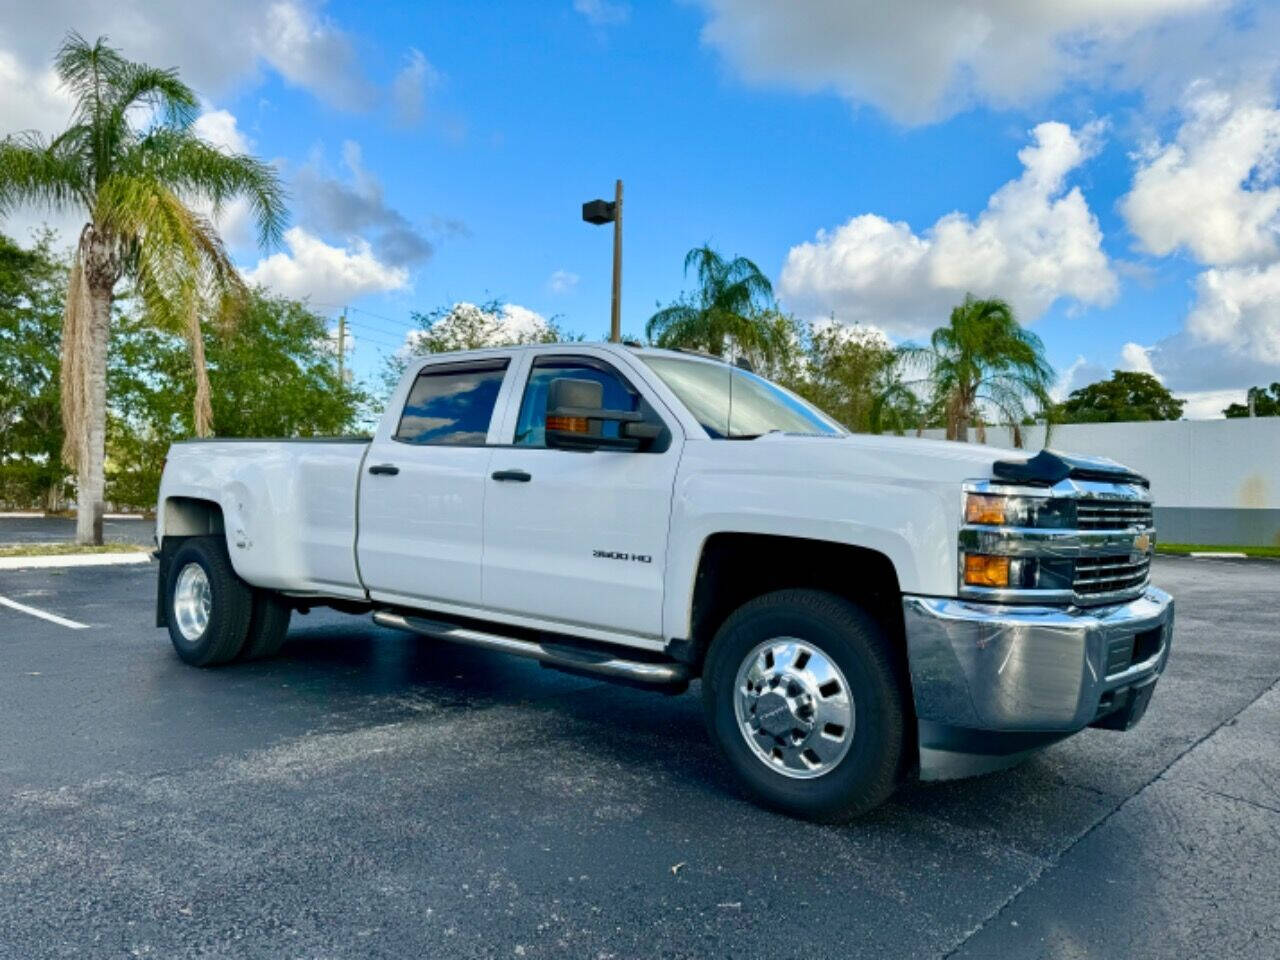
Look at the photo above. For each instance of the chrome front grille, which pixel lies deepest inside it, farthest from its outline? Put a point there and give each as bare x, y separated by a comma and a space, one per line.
1113, 514
1110, 574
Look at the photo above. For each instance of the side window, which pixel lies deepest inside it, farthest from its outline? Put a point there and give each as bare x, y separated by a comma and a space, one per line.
451, 405
618, 395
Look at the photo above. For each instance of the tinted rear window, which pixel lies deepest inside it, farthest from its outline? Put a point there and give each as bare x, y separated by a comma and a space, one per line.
451, 405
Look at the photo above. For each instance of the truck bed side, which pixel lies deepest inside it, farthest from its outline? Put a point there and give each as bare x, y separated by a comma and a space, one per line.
287, 507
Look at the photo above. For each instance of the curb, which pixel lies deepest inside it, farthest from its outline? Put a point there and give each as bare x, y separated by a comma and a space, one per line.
73, 560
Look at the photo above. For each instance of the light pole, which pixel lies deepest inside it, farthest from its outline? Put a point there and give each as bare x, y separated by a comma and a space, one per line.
601, 212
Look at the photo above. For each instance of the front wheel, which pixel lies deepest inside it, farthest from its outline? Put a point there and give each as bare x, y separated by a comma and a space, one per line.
209, 606
802, 697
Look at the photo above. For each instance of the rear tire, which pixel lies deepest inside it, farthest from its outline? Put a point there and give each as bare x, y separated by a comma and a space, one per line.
801, 695
208, 605
268, 625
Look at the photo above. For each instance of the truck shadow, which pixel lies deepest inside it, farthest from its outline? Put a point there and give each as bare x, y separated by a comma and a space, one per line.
635, 732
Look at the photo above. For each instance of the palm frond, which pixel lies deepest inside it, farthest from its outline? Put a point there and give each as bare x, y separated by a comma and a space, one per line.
197, 170
33, 171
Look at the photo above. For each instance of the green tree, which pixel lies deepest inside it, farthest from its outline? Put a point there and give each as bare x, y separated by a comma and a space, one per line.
844, 371
730, 308
272, 375
33, 285
470, 326
131, 162
1265, 404
1126, 396
983, 361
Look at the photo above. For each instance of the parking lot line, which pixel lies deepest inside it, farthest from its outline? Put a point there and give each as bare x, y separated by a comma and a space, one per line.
42, 614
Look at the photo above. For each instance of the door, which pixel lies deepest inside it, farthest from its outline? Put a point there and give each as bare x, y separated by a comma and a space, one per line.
421, 534
573, 536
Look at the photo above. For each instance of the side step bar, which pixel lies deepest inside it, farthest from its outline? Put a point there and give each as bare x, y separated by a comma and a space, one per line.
559, 656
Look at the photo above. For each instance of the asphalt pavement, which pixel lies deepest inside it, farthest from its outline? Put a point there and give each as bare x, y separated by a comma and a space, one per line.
373, 794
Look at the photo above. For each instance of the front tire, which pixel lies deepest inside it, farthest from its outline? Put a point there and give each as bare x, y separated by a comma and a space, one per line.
209, 606
801, 695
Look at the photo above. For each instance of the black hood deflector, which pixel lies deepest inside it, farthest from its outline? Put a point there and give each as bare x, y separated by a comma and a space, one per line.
1049, 467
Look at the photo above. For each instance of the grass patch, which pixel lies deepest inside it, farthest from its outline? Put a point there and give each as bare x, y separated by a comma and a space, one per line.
65, 549
1185, 548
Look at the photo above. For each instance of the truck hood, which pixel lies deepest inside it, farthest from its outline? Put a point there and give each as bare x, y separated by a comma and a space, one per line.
887, 456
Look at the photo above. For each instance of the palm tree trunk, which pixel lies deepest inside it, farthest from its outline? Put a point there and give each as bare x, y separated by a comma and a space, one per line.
92, 472
86, 333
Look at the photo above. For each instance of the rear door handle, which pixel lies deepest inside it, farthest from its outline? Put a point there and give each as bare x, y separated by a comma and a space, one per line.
387, 469
519, 476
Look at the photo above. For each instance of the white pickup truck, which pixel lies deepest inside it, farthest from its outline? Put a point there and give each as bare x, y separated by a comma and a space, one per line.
858, 608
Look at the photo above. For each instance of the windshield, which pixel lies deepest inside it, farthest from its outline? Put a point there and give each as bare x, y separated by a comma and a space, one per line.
731, 403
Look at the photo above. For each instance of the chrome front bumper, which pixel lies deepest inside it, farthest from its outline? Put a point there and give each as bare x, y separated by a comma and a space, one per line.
994, 682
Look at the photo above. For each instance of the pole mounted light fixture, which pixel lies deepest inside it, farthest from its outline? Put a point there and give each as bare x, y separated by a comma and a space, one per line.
600, 212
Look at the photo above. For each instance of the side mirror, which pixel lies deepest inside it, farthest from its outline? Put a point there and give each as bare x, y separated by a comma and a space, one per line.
575, 415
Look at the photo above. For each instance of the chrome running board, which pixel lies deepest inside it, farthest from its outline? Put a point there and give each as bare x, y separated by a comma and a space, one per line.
559, 656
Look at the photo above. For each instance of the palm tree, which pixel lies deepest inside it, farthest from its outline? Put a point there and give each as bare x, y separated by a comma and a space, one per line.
728, 308
131, 162
982, 360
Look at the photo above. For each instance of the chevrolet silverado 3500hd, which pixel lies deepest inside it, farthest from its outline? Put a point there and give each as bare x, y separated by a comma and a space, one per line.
858, 608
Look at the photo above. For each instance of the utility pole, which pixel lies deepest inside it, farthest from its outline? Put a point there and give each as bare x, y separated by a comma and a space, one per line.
615, 312
601, 212
342, 345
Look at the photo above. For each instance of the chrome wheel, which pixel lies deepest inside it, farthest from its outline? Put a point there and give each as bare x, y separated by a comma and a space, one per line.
192, 601
794, 707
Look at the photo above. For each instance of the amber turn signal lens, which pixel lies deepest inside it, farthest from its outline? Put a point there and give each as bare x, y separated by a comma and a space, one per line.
568, 424
983, 509
981, 570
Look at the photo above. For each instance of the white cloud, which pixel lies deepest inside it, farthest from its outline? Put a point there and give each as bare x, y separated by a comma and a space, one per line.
920, 60
1208, 404
1136, 358
1239, 308
326, 274
216, 56
562, 281
1213, 193
409, 89
1035, 242
220, 128
603, 13
1213, 190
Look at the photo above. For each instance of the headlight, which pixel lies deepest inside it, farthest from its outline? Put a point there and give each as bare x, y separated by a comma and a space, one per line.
999, 510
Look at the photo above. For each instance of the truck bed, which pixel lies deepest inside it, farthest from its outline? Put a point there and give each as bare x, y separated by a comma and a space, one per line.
289, 506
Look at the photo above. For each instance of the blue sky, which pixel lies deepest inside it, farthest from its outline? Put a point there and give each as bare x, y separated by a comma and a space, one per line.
1067, 157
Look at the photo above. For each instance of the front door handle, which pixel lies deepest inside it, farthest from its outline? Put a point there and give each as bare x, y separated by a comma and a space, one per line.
519, 476
385, 469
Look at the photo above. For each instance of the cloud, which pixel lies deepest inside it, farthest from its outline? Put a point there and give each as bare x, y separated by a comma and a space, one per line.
216, 54
326, 274
1211, 192
356, 207
1209, 404
220, 128
409, 89
603, 13
562, 281
1080, 373
1035, 242
1136, 358
919, 60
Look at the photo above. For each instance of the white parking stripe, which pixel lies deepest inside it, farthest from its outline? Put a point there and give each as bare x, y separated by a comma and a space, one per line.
43, 615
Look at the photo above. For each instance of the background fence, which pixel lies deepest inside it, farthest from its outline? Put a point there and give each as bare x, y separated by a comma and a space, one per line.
1214, 481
